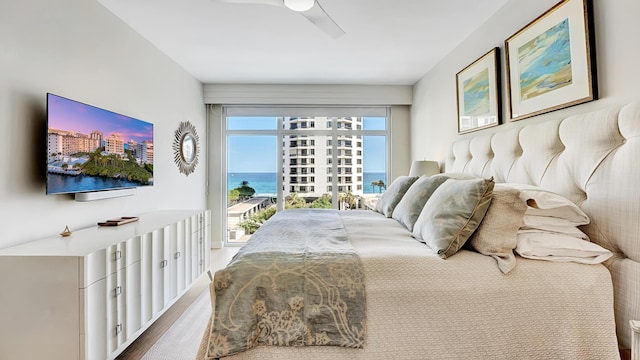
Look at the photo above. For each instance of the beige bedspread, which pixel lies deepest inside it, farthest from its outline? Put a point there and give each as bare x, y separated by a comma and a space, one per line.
422, 307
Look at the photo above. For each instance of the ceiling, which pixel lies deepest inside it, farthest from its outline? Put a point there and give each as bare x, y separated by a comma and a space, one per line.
386, 42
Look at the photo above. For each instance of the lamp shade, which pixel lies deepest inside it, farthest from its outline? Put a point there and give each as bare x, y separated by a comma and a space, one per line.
424, 167
299, 5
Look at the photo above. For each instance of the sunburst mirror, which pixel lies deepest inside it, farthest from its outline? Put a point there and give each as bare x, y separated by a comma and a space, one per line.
186, 147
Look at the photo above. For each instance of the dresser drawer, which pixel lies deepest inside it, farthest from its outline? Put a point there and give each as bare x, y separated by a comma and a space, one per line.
93, 268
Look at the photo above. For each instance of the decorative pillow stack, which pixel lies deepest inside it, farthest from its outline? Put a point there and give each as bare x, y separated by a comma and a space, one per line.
445, 211
452, 214
394, 193
550, 229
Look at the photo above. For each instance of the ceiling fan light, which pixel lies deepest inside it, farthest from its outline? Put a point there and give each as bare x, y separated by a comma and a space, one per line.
299, 5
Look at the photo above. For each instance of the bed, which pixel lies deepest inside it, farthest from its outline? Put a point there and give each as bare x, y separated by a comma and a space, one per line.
421, 306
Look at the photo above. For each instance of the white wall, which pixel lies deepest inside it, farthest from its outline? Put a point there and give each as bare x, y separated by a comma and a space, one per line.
434, 114
400, 146
78, 49
399, 97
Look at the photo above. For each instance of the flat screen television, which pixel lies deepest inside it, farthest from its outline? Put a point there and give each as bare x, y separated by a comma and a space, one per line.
92, 149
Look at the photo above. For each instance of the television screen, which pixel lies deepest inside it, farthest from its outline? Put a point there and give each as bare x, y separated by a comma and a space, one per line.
92, 149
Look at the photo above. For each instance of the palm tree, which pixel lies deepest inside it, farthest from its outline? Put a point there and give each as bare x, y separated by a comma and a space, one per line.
293, 201
374, 183
323, 202
381, 185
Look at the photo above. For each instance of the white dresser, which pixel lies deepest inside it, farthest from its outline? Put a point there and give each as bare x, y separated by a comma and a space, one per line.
89, 295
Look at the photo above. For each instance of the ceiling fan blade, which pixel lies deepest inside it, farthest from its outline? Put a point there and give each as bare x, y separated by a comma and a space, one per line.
323, 21
255, 2
316, 15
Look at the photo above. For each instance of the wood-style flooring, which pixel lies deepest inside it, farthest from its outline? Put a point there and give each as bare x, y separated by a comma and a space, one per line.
219, 259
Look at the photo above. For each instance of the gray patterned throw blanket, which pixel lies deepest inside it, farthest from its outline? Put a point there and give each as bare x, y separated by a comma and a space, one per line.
297, 282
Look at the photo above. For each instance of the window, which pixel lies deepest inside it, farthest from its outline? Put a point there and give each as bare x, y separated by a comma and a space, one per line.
259, 141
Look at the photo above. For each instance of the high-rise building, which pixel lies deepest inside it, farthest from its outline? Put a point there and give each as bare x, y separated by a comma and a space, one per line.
65, 143
308, 159
97, 136
144, 152
114, 144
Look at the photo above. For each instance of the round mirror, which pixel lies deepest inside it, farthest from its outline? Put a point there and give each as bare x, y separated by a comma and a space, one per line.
186, 147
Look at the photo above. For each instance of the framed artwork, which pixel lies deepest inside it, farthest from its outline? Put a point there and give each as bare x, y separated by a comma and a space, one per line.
551, 61
478, 93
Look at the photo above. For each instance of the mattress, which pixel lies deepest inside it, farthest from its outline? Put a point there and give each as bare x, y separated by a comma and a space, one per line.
420, 306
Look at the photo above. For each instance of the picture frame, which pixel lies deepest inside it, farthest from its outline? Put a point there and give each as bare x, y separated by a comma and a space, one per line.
551, 61
478, 93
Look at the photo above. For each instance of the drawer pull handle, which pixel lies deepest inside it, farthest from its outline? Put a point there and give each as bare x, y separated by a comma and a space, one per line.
177, 255
117, 291
117, 255
164, 263
118, 328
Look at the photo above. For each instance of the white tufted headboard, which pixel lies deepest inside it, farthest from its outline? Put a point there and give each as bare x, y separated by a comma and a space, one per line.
592, 159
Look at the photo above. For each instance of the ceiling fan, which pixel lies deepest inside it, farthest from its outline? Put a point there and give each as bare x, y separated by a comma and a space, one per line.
310, 9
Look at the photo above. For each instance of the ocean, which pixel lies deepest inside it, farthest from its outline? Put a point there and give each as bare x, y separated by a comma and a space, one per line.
266, 183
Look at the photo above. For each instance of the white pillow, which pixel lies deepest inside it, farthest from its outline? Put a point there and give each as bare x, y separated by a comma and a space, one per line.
544, 203
536, 221
559, 247
564, 230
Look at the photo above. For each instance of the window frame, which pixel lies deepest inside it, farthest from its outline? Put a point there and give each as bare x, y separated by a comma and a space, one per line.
332, 134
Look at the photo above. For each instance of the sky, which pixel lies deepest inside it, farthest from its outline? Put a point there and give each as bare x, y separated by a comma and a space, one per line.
257, 153
69, 115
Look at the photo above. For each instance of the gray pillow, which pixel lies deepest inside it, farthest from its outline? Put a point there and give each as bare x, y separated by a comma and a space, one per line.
497, 235
408, 209
393, 194
452, 214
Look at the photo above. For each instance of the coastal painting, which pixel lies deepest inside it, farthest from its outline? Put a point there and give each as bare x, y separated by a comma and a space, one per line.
478, 93
551, 61
545, 62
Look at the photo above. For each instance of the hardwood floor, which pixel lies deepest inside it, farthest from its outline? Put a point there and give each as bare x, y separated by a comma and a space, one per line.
625, 354
135, 351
